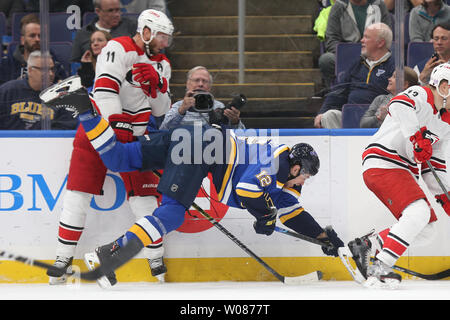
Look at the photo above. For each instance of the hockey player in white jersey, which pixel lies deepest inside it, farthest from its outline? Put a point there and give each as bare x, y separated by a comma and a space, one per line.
131, 84
414, 134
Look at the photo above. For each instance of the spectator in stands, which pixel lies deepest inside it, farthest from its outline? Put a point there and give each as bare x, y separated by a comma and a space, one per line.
20, 105
440, 37
14, 65
198, 79
364, 80
424, 17
409, 4
8, 7
378, 109
346, 23
108, 19
99, 39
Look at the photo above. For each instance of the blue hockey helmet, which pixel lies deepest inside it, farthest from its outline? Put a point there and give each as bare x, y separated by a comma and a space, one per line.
305, 156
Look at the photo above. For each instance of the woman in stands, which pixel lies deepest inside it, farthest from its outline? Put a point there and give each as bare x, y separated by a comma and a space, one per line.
99, 39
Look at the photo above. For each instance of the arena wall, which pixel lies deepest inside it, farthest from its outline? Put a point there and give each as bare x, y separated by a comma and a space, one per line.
33, 175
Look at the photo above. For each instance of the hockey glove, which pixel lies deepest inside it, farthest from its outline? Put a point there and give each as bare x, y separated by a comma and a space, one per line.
445, 203
149, 79
423, 148
121, 124
266, 224
333, 239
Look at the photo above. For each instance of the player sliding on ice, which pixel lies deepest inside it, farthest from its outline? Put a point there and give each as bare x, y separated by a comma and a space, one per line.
263, 178
414, 133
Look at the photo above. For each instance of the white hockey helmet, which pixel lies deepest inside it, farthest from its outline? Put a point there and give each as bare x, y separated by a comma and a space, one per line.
157, 22
440, 73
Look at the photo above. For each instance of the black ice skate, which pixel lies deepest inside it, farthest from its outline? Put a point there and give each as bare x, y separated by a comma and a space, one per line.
101, 255
68, 94
158, 268
60, 276
110, 257
380, 275
359, 250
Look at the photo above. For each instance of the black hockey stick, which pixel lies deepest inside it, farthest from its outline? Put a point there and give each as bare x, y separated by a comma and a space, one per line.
314, 276
434, 276
304, 237
89, 275
437, 179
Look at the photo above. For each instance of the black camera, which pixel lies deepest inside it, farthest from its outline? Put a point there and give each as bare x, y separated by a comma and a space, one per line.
217, 116
204, 101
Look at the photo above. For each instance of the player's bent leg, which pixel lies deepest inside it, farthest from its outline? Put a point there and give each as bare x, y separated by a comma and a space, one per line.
147, 230
71, 226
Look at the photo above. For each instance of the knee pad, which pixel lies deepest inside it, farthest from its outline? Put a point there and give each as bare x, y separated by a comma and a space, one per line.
75, 208
170, 215
143, 206
426, 236
414, 219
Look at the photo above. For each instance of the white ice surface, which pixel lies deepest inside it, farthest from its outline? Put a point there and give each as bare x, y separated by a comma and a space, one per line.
323, 290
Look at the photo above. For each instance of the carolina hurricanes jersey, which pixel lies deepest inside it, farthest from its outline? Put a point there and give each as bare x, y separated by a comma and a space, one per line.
115, 90
390, 147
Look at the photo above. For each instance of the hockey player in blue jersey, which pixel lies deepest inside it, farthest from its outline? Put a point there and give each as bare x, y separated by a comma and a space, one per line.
264, 178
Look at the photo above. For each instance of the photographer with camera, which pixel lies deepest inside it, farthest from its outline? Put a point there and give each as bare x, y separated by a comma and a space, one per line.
199, 104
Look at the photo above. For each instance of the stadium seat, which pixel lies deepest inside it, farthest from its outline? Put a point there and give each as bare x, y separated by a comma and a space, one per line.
58, 27
418, 51
352, 114
346, 55
2, 30
62, 52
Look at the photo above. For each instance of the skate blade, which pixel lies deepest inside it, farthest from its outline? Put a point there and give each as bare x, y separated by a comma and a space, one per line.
55, 281
161, 278
92, 261
375, 283
346, 257
69, 84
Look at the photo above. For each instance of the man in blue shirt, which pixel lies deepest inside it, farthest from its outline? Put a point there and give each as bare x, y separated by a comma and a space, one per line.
366, 79
20, 105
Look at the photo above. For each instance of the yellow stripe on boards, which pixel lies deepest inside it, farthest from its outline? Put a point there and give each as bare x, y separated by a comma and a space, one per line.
224, 269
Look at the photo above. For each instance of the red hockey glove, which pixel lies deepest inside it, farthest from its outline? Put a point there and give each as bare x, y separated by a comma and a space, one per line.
146, 75
445, 203
121, 123
423, 148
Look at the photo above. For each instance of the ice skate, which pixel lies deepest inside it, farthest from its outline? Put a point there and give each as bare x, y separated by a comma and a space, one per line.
93, 259
68, 94
158, 268
380, 275
60, 277
359, 250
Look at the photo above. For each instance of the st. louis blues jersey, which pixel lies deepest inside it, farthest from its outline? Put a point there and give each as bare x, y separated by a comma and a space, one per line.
254, 177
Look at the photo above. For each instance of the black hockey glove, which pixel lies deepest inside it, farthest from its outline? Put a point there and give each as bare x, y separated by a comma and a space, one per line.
333, 239
266, 224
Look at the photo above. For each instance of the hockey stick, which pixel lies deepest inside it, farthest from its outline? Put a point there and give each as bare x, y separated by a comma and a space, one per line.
437, 179
303, 237
435, 276
89, 275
